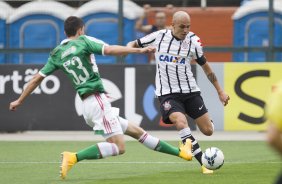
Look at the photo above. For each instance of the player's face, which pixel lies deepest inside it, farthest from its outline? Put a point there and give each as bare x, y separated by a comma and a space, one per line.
181, 28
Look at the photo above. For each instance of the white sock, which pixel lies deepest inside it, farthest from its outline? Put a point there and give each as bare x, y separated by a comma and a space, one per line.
184, 133
149, 141
108, 149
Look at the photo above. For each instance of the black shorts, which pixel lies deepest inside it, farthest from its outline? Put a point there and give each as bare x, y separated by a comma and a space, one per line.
191, 104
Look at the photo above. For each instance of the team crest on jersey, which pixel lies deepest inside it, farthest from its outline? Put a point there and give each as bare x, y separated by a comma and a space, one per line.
167, 106
184, 44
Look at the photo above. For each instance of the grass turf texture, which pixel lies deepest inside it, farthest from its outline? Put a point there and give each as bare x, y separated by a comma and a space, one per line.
38, 163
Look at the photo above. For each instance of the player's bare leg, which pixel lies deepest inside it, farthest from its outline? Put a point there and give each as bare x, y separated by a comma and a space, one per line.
114, 146
153, 143
180, 121
118, 140
205, 124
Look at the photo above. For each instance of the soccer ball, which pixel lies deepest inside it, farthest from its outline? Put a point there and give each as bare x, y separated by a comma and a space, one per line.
213, 158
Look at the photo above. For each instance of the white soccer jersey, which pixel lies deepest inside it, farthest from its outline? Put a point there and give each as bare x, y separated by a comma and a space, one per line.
173, 58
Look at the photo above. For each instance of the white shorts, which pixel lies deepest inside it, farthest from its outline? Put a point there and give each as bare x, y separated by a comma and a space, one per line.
99, 114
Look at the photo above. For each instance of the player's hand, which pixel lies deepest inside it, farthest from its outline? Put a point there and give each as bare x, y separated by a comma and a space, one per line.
224, 98
14, 105
148, 50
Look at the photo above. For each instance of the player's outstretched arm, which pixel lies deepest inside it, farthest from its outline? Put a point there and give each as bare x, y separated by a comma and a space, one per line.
121, 50
224, 98
35, 81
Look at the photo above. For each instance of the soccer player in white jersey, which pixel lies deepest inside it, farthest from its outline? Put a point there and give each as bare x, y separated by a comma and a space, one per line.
75, 57
176, 87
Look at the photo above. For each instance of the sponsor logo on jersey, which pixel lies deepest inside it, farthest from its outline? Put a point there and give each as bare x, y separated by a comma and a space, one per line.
172, 59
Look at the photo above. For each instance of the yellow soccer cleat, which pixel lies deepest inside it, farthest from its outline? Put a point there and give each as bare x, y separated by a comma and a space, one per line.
206, 171
186, 150
68, 161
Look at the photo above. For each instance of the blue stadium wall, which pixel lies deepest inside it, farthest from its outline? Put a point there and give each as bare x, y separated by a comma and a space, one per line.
104, 26
34, 31
252, 30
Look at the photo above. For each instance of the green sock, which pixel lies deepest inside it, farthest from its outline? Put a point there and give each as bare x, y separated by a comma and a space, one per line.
167, 148
91, 152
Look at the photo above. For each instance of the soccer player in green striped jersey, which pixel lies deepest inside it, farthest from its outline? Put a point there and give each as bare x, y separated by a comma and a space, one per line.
75, 57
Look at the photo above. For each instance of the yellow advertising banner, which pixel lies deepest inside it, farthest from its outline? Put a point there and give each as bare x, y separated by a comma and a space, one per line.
248, 85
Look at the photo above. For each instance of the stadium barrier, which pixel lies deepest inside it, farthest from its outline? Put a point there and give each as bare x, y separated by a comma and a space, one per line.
55, 105
249, 85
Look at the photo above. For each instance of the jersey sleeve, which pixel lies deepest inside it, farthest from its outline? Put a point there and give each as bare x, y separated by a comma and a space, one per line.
199, 52
95, 46
147, 40
49, 68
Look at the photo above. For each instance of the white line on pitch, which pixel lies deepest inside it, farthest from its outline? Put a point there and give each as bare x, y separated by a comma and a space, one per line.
236, 162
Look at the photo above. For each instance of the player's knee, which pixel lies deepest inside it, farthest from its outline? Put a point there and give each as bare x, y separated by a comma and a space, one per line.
208, 130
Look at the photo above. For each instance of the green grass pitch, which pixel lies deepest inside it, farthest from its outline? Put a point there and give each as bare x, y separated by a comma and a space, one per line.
38, 163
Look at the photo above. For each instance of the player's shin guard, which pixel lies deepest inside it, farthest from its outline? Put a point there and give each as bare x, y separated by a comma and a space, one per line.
196, 150
101, 150
156, 144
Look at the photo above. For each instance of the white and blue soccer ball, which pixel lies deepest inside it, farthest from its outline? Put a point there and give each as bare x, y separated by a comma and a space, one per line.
213, 158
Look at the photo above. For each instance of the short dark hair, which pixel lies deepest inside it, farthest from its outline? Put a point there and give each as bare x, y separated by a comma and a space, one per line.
72, 24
